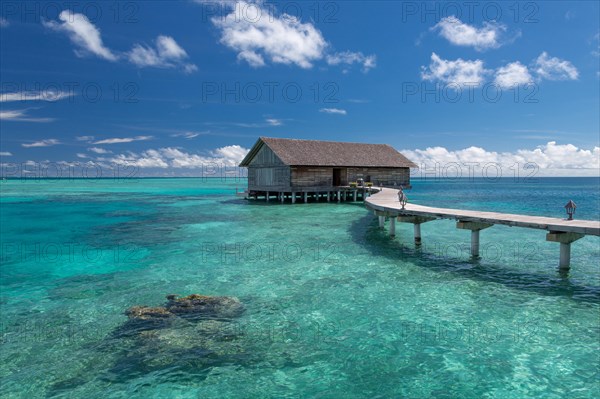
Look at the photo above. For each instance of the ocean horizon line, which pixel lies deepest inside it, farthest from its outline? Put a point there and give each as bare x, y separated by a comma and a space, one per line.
413, 178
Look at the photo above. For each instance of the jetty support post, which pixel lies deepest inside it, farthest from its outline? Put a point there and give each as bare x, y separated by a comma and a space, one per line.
382, 215
393, 225
565, 239
328, 196
416, 221
293, 197
305, 197
355, 193
475, 228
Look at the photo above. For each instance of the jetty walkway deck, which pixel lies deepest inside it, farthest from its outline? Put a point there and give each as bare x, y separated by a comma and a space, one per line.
386, 204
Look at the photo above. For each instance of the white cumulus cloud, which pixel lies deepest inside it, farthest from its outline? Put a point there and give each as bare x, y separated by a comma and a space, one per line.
460, 72
231, 154
5, 154
147, 159
553, 68
551, 159
513, 74
462, 34
349, 58
176, 158
260, 37
82, 33
282, 40
166, 54
473, 73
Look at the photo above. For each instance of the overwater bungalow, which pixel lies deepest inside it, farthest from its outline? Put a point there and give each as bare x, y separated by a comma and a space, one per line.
288, 168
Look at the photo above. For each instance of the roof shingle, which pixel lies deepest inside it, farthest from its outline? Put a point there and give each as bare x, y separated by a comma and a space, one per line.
295, 152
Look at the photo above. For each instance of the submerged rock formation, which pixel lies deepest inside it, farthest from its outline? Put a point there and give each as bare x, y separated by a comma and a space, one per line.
147, 312
205, 307
193, 307
189, 334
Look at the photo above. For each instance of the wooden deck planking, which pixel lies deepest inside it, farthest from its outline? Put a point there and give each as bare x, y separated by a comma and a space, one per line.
387, 201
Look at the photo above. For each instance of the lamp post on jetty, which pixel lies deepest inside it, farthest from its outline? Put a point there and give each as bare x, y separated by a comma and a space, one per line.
570, 207
402, 198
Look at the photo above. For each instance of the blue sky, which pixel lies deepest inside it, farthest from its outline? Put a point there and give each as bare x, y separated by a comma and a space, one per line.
168, 86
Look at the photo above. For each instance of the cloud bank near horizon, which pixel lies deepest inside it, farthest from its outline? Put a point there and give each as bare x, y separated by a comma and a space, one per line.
550, 159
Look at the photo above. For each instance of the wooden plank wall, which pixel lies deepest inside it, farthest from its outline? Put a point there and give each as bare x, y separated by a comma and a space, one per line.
323, 176
384, 176
266, 157
312, 177
267, 172
275, 178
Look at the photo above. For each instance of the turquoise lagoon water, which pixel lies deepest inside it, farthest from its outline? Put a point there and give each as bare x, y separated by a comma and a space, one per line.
334, 307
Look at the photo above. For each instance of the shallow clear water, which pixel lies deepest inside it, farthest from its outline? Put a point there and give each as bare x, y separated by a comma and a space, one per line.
334, 307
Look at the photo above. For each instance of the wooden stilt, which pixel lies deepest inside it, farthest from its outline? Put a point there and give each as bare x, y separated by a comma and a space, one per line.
475, 243
392, 226
417, 228
565, 256
565, 240
475, 228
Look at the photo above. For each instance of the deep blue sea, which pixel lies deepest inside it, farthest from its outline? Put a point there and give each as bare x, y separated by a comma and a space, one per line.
334, 307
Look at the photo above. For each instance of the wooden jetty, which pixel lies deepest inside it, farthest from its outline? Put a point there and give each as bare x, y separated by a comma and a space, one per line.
386, 204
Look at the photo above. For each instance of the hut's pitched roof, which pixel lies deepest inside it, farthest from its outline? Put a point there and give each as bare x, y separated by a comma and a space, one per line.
330, 153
